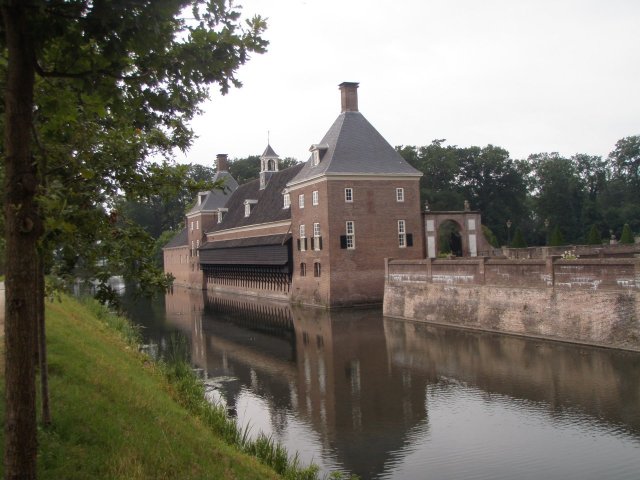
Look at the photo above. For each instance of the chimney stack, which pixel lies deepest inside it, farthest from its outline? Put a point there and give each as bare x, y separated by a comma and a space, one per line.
221, 162
349, 96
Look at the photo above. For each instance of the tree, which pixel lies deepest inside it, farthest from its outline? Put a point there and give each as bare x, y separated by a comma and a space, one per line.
116, 82
557, 238
490, 180
439, 164
594, 237
627, 235
177, 186
557, 192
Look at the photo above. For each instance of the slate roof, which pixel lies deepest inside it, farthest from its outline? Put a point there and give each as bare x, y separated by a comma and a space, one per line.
269, 202
179, 240
356, 148
217, 198
268, 152
279, 239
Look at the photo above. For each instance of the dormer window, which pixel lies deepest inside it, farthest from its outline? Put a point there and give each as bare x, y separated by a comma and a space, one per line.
317, 152
202, 196
221, 212
248, 204
286, 200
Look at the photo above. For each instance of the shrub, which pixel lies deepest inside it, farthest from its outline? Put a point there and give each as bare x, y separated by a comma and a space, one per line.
627, 235
557, 238
594, 237
518, 240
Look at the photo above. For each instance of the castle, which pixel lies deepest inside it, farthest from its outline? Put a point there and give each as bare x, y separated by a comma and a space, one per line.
316, 233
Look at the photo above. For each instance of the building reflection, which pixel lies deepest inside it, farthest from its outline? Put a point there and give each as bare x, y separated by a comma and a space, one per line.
360, 380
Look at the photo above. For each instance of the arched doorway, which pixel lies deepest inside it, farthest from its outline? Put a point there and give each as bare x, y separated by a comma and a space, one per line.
455, 232
450, 238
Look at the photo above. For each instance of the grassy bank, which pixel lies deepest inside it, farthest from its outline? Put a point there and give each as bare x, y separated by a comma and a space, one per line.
116, 414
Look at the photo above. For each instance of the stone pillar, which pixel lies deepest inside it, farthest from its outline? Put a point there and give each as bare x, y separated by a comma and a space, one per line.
481, 270
550, 270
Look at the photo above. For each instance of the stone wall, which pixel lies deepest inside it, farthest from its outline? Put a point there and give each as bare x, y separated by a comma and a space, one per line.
589, 301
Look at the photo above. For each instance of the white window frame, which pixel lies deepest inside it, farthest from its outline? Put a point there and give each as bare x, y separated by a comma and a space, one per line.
286, 200
348, 195
197, 225
301, 200
303, 236
316, 230
219, 216
351, 234
197, 247
247, 209
314, 197
402, 233
399, 194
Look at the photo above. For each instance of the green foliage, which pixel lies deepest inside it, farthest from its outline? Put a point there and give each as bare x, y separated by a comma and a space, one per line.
594, 237
518, 240
490, 236
627, 235
117, 86
557, 238
487, 177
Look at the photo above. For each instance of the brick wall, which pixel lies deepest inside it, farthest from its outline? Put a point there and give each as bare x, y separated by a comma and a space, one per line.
591, 301
185, 268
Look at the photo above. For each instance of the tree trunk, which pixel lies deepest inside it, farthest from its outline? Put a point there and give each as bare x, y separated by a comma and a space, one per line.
22, 228
42, 344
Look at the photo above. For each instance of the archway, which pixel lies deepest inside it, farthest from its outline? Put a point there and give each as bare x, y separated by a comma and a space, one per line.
458, 232
450, 238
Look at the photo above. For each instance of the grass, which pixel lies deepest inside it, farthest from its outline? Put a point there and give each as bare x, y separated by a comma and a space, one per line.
115, 414
118, 415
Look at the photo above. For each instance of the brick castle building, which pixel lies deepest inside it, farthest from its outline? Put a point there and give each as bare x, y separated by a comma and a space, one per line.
315, 233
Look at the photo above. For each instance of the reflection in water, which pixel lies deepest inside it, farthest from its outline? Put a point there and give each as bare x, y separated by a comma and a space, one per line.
387, 398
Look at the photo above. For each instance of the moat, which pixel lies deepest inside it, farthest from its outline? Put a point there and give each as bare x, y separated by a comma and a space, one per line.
383, 398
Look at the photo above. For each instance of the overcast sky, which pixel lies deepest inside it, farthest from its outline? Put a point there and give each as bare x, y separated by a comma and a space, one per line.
528, 75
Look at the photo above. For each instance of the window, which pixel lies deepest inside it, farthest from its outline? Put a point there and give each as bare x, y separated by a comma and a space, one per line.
316, 241
348, 194
192, 247
316, 157
192, 226
197, 247
402, 234
247, 209
303, 269
219, 216
197, 228
314, 197
301, 200
316, 269
303, 240
400, 194
287, 200
348, 241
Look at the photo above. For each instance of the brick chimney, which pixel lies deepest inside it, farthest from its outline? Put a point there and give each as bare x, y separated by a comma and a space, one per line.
349, 96
221, 162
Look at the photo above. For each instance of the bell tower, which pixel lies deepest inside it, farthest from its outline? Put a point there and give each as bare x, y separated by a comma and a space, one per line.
268, 165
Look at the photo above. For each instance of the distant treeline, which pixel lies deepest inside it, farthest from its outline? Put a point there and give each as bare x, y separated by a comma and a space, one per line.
544, 194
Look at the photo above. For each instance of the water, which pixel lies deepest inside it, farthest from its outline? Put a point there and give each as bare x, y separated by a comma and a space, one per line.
388, 399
